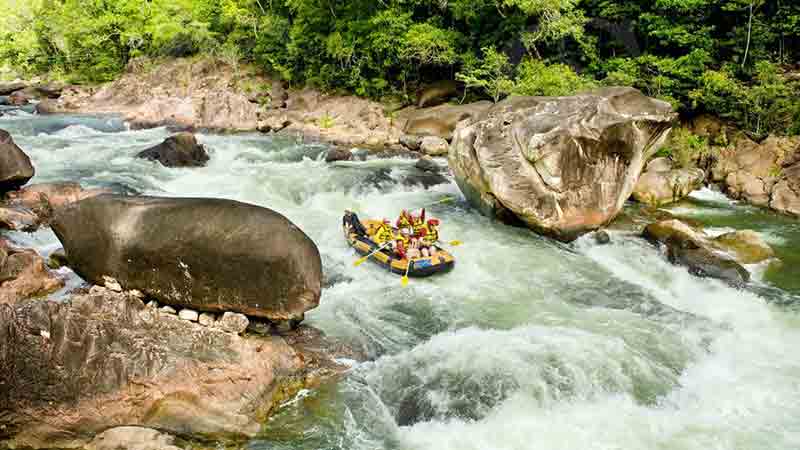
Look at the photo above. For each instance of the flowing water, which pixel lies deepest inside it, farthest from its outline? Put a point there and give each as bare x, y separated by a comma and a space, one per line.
526, 344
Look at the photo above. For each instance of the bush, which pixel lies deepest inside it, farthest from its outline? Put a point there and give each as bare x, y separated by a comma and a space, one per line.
685, 148
769, 104
534, 77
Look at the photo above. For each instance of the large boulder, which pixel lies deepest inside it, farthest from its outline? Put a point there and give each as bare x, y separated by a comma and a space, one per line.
721, 257
15, 166
440, 120
77, 367
561, 165
658, 187
180, 150
206, 254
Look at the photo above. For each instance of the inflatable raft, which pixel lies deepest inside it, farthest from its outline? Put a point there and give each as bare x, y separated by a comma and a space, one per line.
360, 239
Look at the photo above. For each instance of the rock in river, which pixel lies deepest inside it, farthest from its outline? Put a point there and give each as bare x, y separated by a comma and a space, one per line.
181, 150
206, 254
721, 257
15, 166
561, 165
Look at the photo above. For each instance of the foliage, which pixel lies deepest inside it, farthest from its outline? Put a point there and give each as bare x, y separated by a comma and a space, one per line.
726, 57
491, 74
685, 148
767, 104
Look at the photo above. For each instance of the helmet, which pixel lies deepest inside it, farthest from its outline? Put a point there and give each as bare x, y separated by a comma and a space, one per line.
434, 222
386, 221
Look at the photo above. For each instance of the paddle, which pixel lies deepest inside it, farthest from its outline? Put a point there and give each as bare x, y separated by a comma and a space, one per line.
360, 261
404, 280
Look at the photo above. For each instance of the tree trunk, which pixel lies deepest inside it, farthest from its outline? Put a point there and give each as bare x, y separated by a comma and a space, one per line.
749, 30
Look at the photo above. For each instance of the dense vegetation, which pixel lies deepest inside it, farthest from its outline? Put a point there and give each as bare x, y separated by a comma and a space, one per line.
731, 58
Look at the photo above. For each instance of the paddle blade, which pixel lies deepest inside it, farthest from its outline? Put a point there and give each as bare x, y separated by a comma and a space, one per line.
360, 261
404, 281
455, 243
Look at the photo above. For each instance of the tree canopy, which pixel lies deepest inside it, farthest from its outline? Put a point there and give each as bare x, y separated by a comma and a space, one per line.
732, 58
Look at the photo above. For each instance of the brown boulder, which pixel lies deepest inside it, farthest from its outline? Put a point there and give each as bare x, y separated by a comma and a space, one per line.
562, 165
75, 368
338, 154
15, 166
180, 150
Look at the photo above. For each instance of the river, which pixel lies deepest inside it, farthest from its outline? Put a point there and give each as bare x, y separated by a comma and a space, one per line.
526, 344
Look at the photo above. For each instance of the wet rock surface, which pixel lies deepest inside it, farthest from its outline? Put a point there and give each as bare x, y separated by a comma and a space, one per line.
562, 165
720, 257
171, 249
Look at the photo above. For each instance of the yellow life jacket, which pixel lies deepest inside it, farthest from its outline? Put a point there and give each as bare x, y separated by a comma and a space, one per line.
383, 234
431, 235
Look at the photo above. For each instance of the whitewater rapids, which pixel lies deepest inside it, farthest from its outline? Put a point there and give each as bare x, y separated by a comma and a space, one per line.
526, 344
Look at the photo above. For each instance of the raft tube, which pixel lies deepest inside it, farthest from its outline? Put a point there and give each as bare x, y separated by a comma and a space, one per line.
420, 267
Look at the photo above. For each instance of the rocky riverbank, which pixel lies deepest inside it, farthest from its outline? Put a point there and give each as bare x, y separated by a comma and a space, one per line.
105, 355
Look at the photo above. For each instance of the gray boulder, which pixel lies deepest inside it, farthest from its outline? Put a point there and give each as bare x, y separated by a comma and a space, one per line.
181, 150
15, 166
210, 255
561, 165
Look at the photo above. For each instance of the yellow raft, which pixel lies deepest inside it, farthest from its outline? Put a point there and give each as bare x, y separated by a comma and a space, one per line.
364, 245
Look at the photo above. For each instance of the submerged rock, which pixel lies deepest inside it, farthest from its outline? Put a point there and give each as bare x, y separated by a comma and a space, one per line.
15, 166
746, 245
703, 256
561, 165
338, 154
75, 368
210, 255
180, 150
